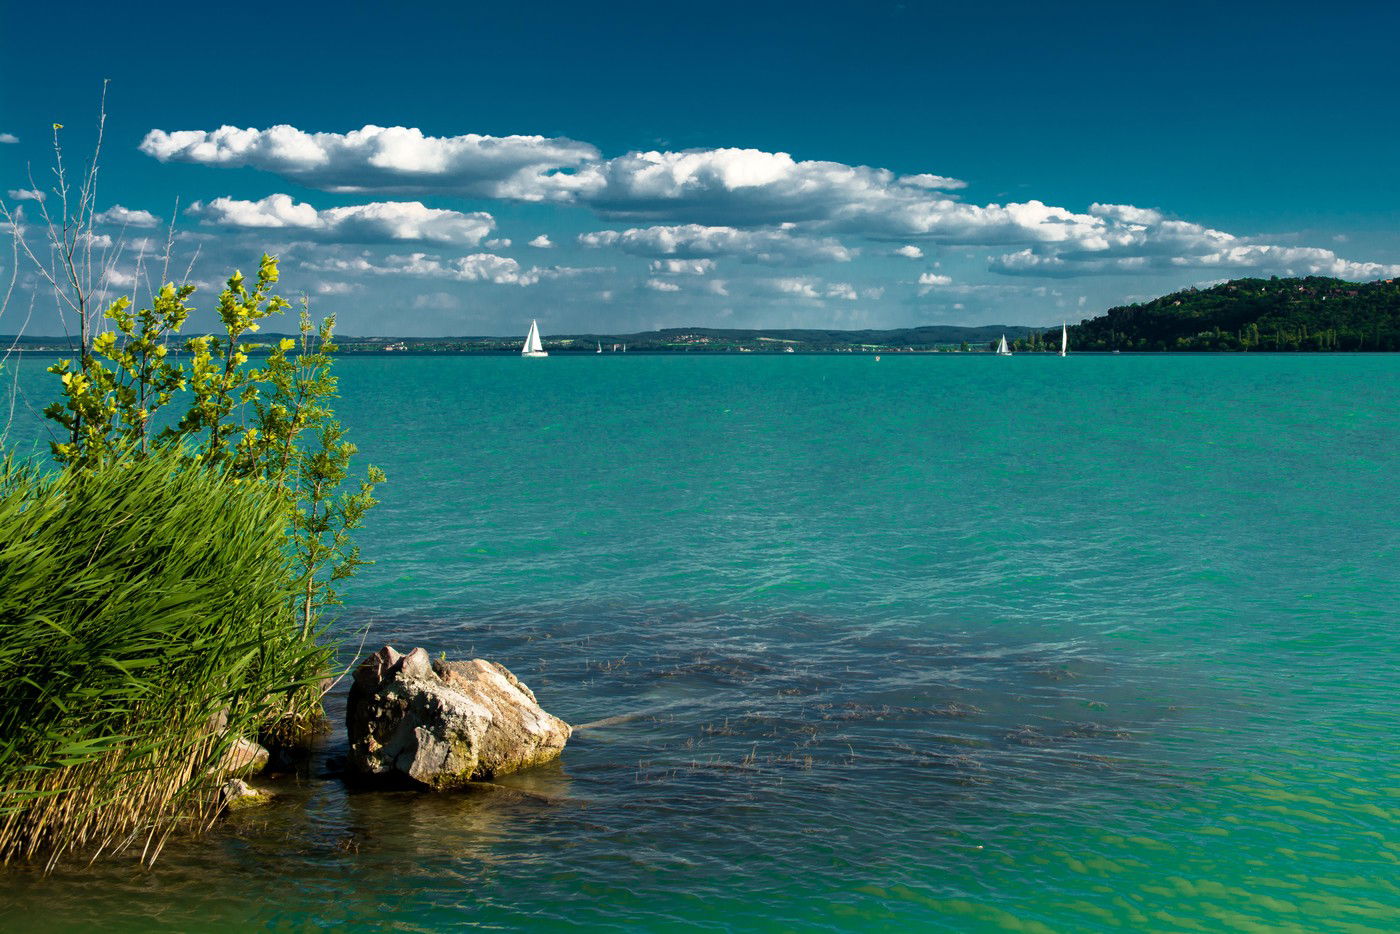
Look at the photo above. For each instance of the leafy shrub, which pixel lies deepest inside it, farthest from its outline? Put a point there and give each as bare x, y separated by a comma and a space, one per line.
271, 424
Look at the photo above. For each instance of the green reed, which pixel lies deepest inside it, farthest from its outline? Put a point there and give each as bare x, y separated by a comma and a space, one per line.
140, 603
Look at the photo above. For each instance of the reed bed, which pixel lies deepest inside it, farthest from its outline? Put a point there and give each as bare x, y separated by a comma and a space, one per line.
145, 625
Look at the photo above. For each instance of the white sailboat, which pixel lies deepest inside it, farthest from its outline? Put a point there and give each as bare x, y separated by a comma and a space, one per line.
533, 347
1064, 338
600, 347
1002, 349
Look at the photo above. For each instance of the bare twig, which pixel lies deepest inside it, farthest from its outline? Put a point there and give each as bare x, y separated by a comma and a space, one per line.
82, 266
14, 379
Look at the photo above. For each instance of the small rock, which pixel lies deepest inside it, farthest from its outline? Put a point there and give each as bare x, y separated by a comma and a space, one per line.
445, 724
244, 757
236, 794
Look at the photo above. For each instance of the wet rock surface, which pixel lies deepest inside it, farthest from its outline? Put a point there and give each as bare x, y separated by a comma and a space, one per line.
243, 758
443, 725
236, 794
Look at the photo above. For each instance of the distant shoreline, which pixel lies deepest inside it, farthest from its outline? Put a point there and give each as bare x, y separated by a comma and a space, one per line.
1313, 314
379, 352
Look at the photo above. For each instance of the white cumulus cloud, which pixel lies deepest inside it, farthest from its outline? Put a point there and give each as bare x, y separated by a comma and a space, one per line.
387, 159
807, 287
542, 242
1126, 213
1212, 250
682, 267
476, 267
119, 216
381, 221
801, 288
758, 206
738, 187
925, 180
1292, 261
774, 246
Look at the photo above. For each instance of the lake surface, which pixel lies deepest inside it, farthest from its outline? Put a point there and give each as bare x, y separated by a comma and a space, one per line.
943, 642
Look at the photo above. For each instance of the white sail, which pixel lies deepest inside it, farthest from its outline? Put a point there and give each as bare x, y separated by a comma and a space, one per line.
1002, 349
533, 347
1064, 338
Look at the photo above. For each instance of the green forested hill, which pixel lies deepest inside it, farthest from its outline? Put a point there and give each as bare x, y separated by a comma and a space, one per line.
1312, 313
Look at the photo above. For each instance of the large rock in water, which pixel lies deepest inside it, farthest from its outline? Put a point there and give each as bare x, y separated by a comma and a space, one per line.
445, 724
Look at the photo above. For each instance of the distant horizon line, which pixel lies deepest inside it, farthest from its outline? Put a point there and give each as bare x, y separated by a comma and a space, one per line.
14, 338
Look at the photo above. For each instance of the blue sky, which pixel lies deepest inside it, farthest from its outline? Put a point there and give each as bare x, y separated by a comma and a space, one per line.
746, 164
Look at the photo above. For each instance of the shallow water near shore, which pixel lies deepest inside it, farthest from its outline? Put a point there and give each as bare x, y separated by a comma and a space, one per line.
939, 642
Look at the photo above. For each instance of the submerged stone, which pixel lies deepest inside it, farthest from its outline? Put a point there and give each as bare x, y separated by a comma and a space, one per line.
236, 794
445, 724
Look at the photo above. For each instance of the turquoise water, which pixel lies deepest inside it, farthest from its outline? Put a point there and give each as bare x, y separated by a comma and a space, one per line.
939, 642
